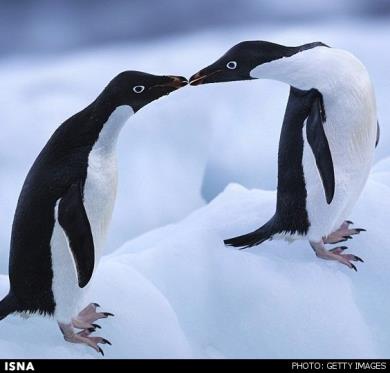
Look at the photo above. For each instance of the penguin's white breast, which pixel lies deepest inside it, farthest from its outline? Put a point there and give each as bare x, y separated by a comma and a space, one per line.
99, 195
65, 287
102, 175
350, 129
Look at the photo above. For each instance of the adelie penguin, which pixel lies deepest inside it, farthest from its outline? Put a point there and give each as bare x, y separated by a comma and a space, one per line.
65, 208
327, 139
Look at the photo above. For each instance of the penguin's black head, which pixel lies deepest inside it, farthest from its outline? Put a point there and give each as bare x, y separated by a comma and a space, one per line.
238, 62
137, 89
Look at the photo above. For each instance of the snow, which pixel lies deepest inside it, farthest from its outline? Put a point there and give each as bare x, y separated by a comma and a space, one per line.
178, 292
174, 288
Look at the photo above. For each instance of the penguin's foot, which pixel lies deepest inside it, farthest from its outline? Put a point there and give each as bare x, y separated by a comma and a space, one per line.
82, 337
81, 324
335, 254
88, 315
342, 234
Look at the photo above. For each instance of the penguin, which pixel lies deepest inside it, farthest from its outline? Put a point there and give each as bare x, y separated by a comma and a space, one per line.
327, 141
65, 208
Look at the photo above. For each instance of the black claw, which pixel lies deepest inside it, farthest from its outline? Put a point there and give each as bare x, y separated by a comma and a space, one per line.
343, 248
97, 305
100, 350
108, 314
339, 241
353, 267
106, 342
91, 330
358, 259
349, 221
348, 237
96, 326
360, 230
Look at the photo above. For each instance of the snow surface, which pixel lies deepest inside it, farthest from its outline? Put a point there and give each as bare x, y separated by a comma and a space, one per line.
176, 290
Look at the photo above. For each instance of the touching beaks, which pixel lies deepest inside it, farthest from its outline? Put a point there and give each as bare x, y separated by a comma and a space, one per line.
197, 79
201, 77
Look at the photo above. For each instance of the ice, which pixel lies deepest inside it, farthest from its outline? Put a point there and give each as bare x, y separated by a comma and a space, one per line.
178, 292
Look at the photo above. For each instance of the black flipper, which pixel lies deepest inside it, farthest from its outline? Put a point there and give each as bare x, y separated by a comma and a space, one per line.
319, 145
74, 220
254, 238
7, 306
378, 133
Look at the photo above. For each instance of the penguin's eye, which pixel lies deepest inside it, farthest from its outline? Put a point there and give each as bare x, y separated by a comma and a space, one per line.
231, 65
138, 88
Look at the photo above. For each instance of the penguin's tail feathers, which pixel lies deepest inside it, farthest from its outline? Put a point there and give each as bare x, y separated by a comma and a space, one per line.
7, 306
254, 238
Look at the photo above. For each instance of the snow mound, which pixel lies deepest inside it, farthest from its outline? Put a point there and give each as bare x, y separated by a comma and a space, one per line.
178, 292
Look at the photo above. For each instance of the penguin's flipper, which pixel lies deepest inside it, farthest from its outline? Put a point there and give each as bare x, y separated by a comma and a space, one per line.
74, 220
378, 133
319, 145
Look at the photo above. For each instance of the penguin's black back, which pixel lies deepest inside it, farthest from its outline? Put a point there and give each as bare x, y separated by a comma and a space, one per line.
291, 215
63, 161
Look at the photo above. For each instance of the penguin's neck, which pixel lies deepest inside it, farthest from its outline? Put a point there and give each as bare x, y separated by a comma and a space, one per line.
322, 68
108, 135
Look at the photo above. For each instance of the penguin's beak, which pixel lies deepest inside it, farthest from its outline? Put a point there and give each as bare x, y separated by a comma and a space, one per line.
218, 73
174, 82
204, 77
178, 81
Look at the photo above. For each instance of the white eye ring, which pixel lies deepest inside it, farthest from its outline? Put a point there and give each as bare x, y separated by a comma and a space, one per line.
138, 88
231, 65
